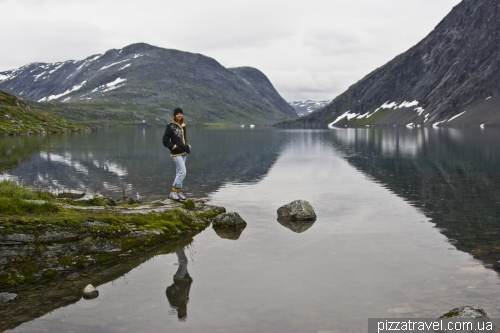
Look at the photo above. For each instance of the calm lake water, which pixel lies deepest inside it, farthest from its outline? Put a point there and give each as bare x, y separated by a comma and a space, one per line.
408, 226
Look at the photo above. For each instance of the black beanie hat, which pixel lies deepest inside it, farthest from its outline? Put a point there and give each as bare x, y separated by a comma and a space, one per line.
178, 110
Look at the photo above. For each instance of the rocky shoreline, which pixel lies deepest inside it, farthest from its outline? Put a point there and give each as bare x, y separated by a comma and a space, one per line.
37, 252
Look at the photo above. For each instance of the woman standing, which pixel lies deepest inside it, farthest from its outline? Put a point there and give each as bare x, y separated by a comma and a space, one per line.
175, 139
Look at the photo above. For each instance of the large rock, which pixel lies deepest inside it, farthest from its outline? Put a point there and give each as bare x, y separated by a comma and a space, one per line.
298, 210
229, 220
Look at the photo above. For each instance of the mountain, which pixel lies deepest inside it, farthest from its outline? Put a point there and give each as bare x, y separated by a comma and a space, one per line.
142, 81
450, 78
305, 107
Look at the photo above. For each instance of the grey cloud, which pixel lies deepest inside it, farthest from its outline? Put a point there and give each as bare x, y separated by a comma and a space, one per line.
52, 42
334, 42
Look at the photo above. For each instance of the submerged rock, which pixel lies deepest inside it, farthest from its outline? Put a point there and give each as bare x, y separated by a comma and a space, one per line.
229, 220
300, 210
8, 298
89, 292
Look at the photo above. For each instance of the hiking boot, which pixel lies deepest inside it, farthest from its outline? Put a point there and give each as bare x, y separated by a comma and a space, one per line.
174, 196
181, 196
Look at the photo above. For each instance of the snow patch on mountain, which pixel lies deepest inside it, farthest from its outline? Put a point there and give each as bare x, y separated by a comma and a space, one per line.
110, 86
347, 115
51, 97
113, 64
458, 115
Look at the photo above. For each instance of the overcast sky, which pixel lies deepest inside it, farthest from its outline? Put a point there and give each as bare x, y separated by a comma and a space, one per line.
312, 49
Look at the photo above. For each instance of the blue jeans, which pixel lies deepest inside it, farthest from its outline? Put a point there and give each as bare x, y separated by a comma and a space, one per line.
180, 170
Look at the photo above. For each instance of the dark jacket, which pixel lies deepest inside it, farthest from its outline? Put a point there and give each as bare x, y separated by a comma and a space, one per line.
175, 139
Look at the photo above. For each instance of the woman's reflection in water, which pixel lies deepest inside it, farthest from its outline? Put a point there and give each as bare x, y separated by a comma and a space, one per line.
178, 292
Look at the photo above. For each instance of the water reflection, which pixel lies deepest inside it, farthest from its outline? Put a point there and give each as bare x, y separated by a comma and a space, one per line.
296, 226
37, 301
452, 175
229, 233
178, 292
134, 160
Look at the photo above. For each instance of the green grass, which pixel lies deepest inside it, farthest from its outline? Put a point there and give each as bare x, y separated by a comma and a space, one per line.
17, 117
15, 210
13, 200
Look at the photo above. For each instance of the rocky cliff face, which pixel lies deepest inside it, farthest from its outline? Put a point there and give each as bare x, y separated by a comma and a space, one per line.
141, 78
450, 78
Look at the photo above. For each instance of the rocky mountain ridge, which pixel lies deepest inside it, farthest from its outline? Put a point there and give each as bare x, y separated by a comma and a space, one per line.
142, 79
307, 106
450, 78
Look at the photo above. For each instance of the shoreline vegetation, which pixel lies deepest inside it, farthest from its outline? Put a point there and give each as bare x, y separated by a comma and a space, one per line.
44, 236
18, 118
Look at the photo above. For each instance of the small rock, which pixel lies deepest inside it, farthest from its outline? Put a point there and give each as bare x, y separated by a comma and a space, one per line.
467, 311
8, 298
109, 202
229, 220
89, 292
128, 200
70, 194
297, 210
94, 224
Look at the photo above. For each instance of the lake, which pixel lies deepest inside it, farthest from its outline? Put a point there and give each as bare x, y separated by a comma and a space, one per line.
407, 227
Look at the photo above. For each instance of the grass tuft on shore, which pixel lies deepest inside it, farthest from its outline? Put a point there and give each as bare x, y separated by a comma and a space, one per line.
19, 200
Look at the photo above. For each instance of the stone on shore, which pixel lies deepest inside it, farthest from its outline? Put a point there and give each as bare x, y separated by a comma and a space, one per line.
298, 210
229, 220
70, 194
89, 292
127, 200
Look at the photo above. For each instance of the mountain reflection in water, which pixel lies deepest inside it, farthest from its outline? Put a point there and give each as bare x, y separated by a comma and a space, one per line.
38, 300
134, 160
368, 248
452, 175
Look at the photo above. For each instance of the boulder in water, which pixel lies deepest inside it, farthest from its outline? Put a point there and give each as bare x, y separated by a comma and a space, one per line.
229, 220
298, 210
